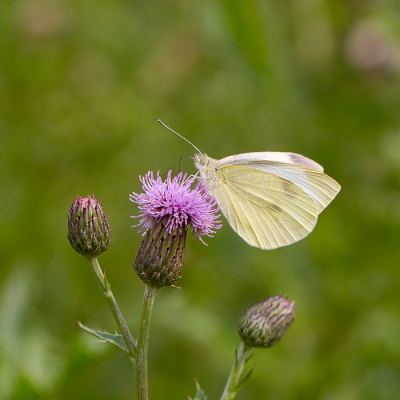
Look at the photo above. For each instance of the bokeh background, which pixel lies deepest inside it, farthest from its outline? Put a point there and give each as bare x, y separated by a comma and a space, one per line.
82, 84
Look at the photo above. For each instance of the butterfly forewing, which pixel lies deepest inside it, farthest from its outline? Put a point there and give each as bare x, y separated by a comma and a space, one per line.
264, 209
267, 156
321, 187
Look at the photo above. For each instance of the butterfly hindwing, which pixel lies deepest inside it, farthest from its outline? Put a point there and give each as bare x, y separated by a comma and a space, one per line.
266, 210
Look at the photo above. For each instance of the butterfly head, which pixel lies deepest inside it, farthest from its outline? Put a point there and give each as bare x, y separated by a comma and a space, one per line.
201, 160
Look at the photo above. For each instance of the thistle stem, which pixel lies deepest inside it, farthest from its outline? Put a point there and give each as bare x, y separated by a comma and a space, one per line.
119, 319
142, 346
234, 381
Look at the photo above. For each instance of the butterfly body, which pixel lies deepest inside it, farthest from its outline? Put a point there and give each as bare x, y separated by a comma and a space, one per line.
271, 199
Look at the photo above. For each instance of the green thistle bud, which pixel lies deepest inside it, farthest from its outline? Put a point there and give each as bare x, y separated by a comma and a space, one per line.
160, 258
88, 228
265, 323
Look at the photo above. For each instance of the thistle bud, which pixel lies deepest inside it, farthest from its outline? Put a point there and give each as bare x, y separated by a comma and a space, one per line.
160, 257
265, 323
88, 228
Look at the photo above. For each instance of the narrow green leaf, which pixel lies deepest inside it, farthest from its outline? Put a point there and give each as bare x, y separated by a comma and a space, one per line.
200, 394
244, 379
112, 338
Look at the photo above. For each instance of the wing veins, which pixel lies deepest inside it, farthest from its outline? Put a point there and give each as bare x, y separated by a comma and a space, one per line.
323, 183
238, 218
274, 197
253, 231
280, 227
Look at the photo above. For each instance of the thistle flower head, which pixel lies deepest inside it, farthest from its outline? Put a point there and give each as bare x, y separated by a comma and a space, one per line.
88, 228
265, 323
167, 210
176, 205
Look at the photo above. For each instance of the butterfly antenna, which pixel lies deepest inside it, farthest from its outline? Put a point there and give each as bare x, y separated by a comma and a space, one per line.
180, 159
176, 133
190, 176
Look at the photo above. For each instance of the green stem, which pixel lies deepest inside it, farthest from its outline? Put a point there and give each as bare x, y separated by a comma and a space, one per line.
142, 346
234, 380
105, 287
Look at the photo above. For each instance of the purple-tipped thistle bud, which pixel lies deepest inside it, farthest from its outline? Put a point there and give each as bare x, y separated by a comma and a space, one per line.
160, 257
167, 209
88, 228
265, 323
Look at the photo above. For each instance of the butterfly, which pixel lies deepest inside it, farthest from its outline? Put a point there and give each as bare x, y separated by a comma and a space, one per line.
270, 199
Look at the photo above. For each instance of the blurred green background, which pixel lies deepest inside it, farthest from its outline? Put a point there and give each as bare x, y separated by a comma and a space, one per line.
82, 84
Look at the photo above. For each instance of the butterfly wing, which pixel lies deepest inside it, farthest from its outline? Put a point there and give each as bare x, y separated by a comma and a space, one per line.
266, 210
300, 170
321, 187
267, 156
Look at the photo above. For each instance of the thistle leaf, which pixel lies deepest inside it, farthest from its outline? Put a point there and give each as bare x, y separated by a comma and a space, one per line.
244, 379
200, 394
112, 338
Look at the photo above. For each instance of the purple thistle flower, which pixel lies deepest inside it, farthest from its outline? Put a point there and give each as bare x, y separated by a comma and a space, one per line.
167, 209
176, 204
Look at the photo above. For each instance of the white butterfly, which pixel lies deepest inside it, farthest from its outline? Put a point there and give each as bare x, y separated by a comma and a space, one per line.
270, 199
